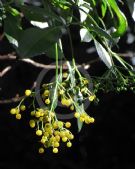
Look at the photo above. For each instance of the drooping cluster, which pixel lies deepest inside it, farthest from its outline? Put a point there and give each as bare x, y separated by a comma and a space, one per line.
71, 92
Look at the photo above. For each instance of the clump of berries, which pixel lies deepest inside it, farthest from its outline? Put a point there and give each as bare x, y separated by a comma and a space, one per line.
50, 130
71, 90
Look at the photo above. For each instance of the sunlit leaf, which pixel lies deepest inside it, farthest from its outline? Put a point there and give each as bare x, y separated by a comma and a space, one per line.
103, 54
85, 35
103, 8
122, 21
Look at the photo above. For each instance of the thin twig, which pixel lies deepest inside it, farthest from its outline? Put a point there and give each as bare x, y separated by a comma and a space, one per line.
17, 98
3, 72
12, 100
8, 56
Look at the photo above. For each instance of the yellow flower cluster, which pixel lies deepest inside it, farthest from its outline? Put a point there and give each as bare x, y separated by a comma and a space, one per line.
17, 111
83, 117
51, 130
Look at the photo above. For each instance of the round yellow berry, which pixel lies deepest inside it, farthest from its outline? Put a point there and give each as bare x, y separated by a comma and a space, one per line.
46, 93
46, 134
47, 101
60, 124
27, 92
32, 113
82, 119
55, 150
77, 115
38, 114
13, 111
83, 115
85, 82
41, 150
55, 125
92, 120
64, 139
66, 102
56, 144
18, 116
22, 107
92, 97
67, 124
62, 134
69, 144
56, 132
17, 110
61, 92
39, 132
72, 107
43, 140
32, 123
71, 136
65, 75
57, 138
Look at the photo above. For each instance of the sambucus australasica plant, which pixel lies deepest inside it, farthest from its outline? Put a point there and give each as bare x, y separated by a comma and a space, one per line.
69, 87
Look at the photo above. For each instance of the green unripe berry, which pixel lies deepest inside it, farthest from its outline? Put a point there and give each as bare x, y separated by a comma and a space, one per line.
22, 107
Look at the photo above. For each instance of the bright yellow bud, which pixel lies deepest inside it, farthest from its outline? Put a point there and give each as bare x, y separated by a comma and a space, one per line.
67, 124
69, 144
55, 150
32, 123
39, 132
27, 92
18, 116
41, 150
13, 111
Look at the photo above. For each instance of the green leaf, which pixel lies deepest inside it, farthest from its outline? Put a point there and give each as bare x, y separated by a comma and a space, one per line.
103, 54
85, 35
12, 11
35, 41
98, 30
122, 61
122, 21
12, 28
103, 8
102, 33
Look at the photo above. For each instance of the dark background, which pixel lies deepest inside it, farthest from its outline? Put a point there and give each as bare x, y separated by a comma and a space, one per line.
107, 144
